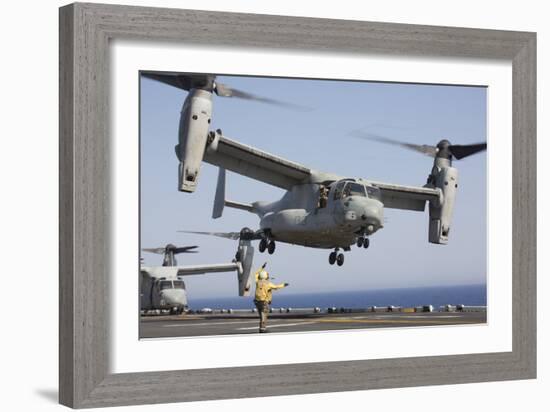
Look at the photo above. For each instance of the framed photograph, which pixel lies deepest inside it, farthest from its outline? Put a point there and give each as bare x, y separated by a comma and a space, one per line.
364, 192
310, 224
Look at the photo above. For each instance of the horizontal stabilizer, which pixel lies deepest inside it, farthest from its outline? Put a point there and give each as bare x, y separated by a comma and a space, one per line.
237, 205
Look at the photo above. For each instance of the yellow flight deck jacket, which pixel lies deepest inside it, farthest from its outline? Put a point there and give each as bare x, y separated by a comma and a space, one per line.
264, 288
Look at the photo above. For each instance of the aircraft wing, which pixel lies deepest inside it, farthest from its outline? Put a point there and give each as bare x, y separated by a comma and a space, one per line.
407, 197
256, 164
171, 272
202, 269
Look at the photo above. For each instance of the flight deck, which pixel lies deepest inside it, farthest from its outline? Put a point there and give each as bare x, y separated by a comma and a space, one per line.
247, 322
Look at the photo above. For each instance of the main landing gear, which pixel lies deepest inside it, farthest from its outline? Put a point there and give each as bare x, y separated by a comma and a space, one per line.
336, 257
267, 244
363, 242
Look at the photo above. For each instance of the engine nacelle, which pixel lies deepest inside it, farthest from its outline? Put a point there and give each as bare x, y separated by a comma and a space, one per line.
445, 178
245, 255
195, 118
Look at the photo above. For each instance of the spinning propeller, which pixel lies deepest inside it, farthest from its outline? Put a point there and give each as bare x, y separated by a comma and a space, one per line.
208, 82
244, 234
171, 248
170, 251
443, 149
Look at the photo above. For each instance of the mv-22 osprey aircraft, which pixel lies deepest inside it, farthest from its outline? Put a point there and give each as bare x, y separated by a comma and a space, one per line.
163, 288
319, 210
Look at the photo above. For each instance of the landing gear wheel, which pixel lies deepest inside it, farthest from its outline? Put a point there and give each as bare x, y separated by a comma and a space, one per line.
366, 243
360, 242
332, 258
262, 246
340, 259
271, 247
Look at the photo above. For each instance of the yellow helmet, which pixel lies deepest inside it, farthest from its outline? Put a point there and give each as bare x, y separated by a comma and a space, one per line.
263, 275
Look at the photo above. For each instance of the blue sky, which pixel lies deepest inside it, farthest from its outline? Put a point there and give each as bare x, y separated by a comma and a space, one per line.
399, 255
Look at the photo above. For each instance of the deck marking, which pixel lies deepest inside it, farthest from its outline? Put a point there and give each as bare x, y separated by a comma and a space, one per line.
280, 326
408, 317
173, 325
419, 321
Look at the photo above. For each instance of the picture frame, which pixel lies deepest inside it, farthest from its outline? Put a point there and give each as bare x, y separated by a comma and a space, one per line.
84, 351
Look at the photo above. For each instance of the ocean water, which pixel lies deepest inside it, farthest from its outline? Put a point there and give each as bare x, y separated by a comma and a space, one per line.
475, 295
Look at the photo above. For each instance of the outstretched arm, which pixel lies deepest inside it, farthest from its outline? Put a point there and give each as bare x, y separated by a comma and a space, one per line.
279, 286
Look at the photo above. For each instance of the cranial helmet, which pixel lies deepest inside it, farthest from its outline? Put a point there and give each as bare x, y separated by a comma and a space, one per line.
263, 275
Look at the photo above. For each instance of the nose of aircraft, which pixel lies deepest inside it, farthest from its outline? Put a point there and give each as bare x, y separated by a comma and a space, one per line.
366, 212
174, 297
373, 214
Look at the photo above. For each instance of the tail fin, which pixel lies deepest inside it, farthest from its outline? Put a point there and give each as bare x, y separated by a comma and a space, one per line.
219, 198
220, 202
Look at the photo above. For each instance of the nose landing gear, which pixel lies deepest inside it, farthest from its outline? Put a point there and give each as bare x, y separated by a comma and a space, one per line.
267, 244
363, 242
271, 247
336, 257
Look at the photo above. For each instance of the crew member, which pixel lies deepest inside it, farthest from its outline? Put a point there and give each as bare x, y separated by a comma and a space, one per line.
323, 196
262, 298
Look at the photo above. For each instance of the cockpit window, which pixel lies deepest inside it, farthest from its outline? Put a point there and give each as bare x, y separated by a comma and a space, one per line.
165, 284
354, 189
178, 284
346, 189
338, 190
374, 192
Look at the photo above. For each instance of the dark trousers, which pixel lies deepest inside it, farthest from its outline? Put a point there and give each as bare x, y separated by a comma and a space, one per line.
263, 311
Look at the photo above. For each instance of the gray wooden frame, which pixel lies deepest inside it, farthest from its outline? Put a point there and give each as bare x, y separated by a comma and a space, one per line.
85, 31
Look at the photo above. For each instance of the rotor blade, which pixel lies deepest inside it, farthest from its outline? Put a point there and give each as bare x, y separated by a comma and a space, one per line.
186, 249
424, 149
223, 90
460, 151
181, 81
190, 81
157, 250
226, 235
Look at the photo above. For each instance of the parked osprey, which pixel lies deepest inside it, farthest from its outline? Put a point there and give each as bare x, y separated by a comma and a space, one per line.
162, 287
319, 209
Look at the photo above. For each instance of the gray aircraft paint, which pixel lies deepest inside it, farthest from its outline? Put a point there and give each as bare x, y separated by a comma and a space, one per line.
296, 217
446, 178
153, 294
196, 114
